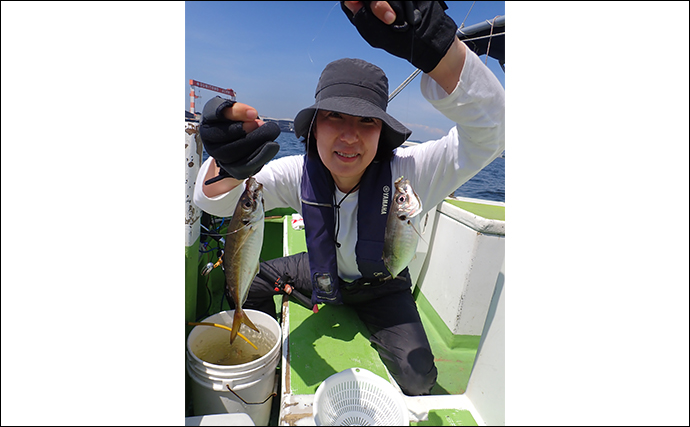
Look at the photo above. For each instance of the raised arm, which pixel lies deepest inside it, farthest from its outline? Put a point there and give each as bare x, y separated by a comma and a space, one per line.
429, 43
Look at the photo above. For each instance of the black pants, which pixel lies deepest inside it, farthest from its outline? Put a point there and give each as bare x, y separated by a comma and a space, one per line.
387, 309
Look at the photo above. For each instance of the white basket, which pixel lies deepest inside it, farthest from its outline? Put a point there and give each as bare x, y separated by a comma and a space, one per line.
358, 397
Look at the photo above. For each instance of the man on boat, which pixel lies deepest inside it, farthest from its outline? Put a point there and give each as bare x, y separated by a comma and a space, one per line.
342, 186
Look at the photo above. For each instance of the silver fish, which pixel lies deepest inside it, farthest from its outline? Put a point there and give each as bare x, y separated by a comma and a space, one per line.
400, 241
242, 249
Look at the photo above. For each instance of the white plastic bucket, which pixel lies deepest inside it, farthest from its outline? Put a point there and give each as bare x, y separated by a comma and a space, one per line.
253, 381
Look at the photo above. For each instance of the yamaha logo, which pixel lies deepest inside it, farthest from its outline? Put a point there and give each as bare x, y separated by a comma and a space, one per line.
384, 202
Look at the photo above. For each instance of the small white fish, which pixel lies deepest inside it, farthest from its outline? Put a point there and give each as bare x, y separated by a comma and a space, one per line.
242, 250
400, 241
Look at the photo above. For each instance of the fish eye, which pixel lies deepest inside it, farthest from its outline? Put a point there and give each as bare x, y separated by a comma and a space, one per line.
247, 204
401, 198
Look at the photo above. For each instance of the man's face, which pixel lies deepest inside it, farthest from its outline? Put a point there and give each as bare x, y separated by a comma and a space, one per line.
347, 145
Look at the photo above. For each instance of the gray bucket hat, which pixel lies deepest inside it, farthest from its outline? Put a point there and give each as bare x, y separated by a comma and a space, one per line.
358, 88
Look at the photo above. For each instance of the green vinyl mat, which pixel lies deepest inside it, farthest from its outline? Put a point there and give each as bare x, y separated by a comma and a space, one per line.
335, 339
325, 343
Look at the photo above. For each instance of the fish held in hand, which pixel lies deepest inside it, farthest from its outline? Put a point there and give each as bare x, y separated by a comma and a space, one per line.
242, 249
400, 241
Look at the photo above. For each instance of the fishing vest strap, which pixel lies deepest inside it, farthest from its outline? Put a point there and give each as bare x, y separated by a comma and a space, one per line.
318, 190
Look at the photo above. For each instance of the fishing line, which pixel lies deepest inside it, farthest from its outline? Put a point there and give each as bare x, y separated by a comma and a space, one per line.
227, 299
408, 80
210, 301
209, 250
316, 109
233, 232
321, 29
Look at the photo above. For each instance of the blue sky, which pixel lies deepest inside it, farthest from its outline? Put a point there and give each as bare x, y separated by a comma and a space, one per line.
272, 54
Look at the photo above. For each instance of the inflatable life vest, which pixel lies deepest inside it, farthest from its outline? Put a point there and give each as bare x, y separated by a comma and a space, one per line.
318, 210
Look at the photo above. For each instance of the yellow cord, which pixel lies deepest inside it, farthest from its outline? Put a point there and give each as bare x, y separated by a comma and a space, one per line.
217, 325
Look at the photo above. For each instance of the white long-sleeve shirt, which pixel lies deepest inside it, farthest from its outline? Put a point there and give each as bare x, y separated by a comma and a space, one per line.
435, 169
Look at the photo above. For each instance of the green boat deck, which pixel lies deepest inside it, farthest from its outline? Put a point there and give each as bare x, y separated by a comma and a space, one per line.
334, 339
327, 342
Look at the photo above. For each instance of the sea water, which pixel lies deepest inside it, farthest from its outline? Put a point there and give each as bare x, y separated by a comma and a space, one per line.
213, 345
488, 184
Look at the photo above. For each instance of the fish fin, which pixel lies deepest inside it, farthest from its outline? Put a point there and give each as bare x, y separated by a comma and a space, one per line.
386, 261
238, 319
246, 321
236, 323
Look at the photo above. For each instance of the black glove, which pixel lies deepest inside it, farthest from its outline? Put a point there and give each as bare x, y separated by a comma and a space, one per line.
422, 32
238, 154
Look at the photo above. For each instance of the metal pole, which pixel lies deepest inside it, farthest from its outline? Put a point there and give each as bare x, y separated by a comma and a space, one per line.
403, 84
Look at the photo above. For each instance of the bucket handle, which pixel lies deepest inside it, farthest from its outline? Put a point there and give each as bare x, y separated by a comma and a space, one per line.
248, 403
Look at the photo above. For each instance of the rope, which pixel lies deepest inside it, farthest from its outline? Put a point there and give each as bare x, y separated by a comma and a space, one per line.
490, 36
337, 212
483, 37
